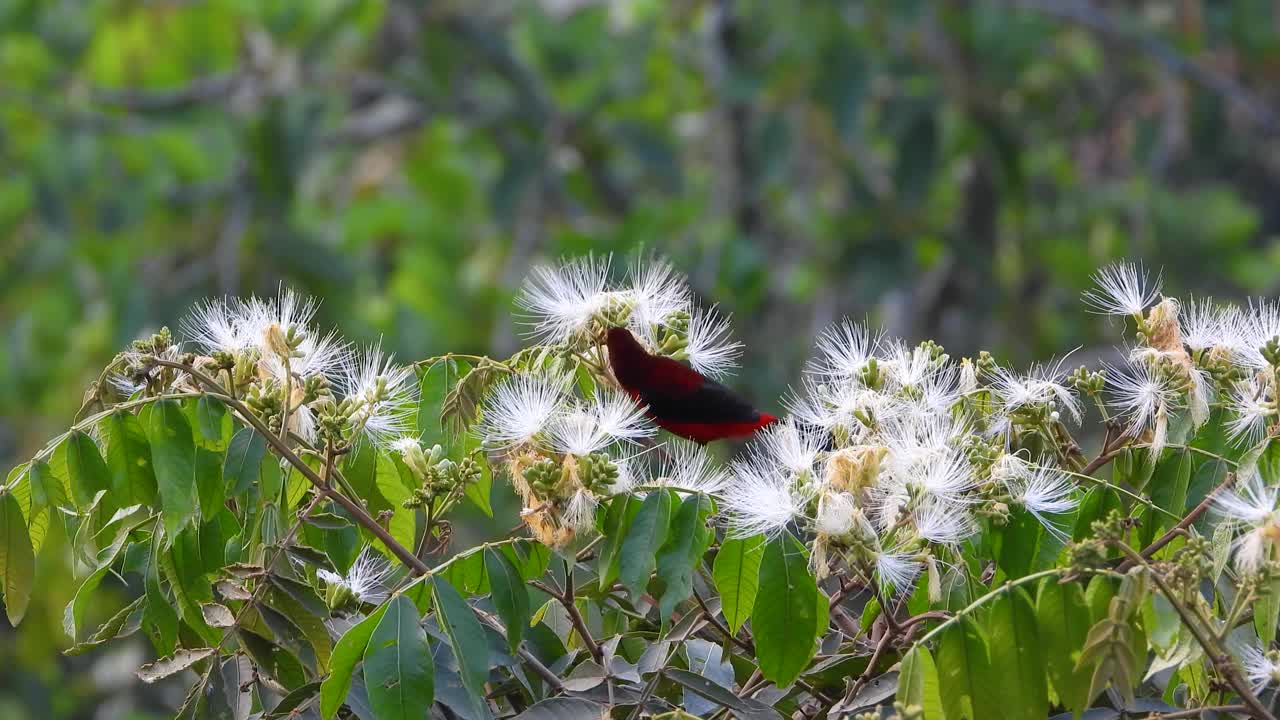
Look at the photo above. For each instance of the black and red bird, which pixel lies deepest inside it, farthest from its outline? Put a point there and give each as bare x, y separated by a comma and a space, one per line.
680, 399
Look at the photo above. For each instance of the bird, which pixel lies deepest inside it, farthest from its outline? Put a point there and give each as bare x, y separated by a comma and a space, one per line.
678, 398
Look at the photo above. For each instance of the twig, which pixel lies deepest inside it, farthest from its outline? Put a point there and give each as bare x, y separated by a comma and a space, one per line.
1196, 712
1173, 532
724, 630
416, 566
1221, 661
575, 615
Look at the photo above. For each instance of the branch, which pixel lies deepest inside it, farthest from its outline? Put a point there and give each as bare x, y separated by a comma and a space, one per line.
1221, 661
1181, 527
416, 566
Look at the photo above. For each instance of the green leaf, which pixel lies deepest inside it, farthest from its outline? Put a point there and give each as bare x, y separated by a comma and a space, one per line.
467, 637
964, 673
360, 468
190, 590
1168, 491
17, 560
646, 535
617, 521
273, 660
404, 522
918, 683
210, 488
510, 596
746, 708
133, 480
1062, 618
785, 620
173, 453
480, 491
532, 558
1016, 656
122, 624
1020, 538
434, 387
159, 616
86, 468
348, 651
299, 607
73, 615
244, 458
212, 421
47, 489
690, 538
1097, 503
563, 708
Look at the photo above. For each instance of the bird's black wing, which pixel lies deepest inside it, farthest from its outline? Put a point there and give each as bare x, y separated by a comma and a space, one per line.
710, 403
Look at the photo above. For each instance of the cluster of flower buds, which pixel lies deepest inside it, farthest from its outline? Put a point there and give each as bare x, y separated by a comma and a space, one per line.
438, 476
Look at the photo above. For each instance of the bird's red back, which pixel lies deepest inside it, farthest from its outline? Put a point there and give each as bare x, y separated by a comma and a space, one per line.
680, 399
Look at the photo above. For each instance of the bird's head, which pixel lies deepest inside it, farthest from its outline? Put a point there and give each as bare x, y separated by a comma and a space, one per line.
620, 338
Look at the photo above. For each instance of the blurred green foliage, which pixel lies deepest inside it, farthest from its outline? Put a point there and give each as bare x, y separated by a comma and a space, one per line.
952, 169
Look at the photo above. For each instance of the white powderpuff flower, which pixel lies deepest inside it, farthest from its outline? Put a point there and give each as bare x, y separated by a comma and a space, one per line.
627, 479
367, 578
1235, 336
947, 476
968, 377
218, 324
286, 311
1251, 507
302, 421
1046, 491
935, 393
1011, 468
1262, 668
1122, 289
1251, 412
1263, 326
1144, 401
267, 320
1201, 324
710, 349
656, 292
688, 466
1200, 395
837, 514
559, 301
580, 511
1041, 384
327, 355
386, 395
897, 571
827, 407
921, 438
609, 417
909, 367
521, 408
124, 384
788, 447
761, 500
942, 523
844, 349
